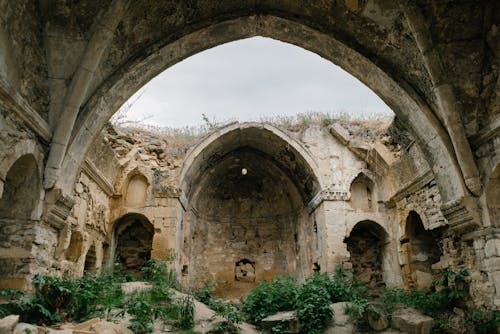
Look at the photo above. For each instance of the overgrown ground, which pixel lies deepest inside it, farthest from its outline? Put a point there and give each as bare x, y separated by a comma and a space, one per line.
57, 300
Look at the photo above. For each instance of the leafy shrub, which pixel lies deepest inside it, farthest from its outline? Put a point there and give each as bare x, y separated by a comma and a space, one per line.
143, 316
445, 293
224, 327
342, 286
484, 321
357, 312
158, 274
232, 317
186, 313
95, 296
204, 295
313, 304
271, 297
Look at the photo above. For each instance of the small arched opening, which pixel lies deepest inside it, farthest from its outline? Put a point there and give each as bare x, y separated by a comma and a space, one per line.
367, 247
422, 250
17, 204
133, 240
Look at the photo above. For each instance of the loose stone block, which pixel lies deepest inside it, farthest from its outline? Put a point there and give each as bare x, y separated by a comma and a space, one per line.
411, 321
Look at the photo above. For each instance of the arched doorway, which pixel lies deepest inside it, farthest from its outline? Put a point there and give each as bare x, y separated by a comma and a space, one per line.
366, 245
421, 250
247, 188
133, 239
19, 200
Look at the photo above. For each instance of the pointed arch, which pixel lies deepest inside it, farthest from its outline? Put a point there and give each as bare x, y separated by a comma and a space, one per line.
405, 102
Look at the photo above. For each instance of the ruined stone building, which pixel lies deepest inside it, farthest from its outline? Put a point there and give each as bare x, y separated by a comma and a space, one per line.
251, 201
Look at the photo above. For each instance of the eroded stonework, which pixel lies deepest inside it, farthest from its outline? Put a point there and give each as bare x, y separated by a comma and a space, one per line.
66, 67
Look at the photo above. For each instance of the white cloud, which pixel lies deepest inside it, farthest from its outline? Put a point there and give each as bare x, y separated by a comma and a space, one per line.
250, 78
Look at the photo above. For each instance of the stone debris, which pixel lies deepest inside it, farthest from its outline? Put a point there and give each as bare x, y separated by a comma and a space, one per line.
287, 318
411, 321
341, 323
8, 323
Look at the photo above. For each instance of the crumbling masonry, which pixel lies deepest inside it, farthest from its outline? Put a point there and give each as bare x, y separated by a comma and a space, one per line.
251, 201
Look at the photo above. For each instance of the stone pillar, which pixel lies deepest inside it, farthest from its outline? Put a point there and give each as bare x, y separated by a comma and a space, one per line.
165, 218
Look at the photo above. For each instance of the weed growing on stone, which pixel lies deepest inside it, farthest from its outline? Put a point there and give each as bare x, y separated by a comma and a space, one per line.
271, 297
186, 313
313, 304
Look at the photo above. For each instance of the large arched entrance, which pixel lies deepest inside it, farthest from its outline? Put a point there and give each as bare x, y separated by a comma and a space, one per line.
137, 71
247, 190
421, 249
367, 248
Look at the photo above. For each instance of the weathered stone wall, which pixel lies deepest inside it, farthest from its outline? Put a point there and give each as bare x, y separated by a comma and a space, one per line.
26, 245
23, 68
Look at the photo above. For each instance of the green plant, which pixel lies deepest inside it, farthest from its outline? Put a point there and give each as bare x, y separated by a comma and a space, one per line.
357, 312
342, 286
446, 292
280, 328
229, 313
95, 296
157, 273
224, 327
271, 297
143, 316
186, 313
313, 304
11, 292
484, 321
204, 294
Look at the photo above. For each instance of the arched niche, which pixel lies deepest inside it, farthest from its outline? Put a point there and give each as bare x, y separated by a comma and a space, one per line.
21, 189
137, 190
247, 188
75, 247
366, 245
132, 242
421, 249
19, 201
362, 193
90, 265
493, 196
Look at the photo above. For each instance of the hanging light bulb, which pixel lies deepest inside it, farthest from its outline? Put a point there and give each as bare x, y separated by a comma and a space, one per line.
244, 171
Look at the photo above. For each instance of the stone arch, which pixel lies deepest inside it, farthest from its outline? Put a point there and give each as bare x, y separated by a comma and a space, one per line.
405, 101
136, 191
21, 148
362, 191
233, 136
421, 249
246, 189
493, 196
18, 214
132, 241
366, 245
21, 189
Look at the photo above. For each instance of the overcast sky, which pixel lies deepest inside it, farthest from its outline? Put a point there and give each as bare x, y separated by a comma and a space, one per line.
249, 79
